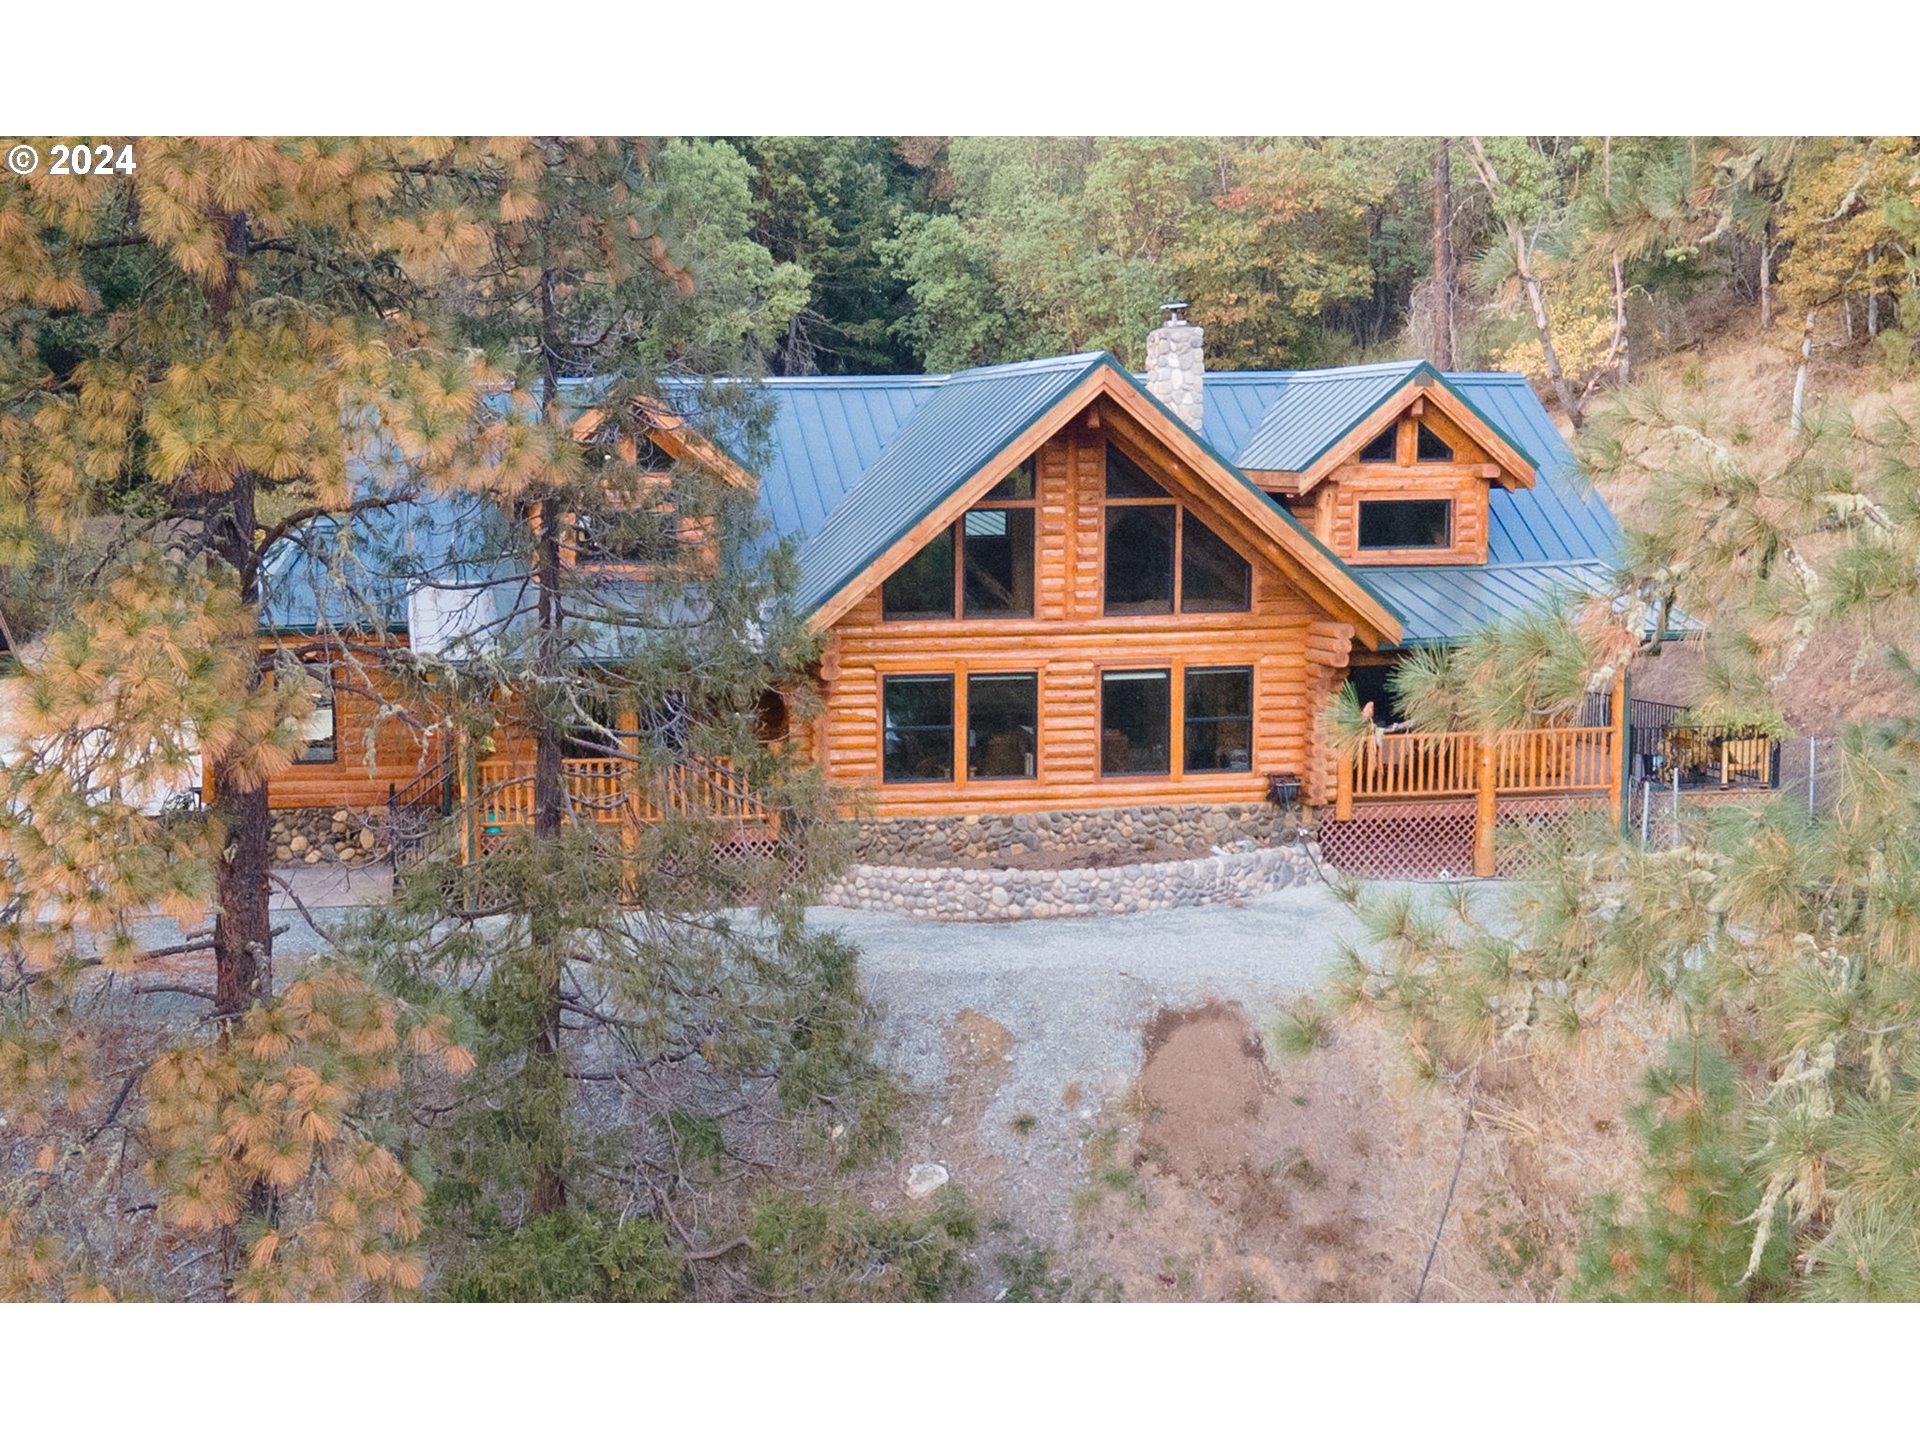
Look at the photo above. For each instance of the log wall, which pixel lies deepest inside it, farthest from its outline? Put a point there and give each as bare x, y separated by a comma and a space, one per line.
1296, 652
371, 752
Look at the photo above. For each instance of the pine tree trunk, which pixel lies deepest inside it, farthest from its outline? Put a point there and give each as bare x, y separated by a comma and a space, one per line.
1873, 292
1766, 285
547, 1188
1523, 264
242, 925
1443, 255
1620, 351
1622, 341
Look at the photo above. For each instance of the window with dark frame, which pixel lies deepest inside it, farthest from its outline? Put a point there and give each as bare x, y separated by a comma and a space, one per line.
1136, 708
1406, 524
1003, 726
917, 740
1159, 556
1139, 561
922, 589
318, 728
1219, 719
1213, 575
1381, 449
982, 565
997, 550
1430, 448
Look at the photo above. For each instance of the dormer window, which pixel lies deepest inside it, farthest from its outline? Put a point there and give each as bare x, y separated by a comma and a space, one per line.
1431, 449
1381, 449
1406, 524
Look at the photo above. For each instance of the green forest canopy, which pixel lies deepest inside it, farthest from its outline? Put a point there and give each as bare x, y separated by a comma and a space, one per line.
931, 252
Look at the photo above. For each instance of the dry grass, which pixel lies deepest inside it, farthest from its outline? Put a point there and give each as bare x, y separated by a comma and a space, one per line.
1322, 1177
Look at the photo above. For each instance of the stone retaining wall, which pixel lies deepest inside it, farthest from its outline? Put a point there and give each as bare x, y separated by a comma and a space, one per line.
956, 892
940, 839
308, 837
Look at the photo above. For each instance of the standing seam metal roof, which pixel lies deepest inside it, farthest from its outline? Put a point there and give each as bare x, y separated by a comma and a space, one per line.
854, 462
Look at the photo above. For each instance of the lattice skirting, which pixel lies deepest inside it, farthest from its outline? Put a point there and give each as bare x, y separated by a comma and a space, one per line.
1433, 839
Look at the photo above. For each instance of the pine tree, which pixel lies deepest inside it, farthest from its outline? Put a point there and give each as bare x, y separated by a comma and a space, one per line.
1784, 941
1685, 1235
598, 951
214, 345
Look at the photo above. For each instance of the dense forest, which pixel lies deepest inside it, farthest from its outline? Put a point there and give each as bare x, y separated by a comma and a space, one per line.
1568, 257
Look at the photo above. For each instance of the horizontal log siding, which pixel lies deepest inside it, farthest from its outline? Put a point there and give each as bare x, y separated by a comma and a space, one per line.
372, 754
1329, 510
1348, 486
1295, 651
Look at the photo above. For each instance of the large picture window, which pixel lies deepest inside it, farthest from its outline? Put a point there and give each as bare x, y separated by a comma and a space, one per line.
982, 565
1003, 717
1160, 556
1140, 559
1135, 714
918, 739
1219, 719
1406, 524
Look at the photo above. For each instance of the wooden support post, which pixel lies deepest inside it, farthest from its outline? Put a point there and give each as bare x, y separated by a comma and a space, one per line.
469, 803
1617, 759
1486, 812
1343, 788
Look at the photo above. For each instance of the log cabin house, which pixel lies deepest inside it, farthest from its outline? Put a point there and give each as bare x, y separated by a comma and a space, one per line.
1062, 591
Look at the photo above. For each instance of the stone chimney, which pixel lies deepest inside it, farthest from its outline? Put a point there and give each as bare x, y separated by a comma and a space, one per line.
1176, 365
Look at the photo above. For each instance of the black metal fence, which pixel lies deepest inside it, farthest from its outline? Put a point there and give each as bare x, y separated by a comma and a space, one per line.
414, 813
1667, 748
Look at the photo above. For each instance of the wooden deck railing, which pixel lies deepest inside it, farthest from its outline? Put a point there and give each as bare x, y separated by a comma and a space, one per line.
1551, 760
1410, 765
1577, 757
607, 791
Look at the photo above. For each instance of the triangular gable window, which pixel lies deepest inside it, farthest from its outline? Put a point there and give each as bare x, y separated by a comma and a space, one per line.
1380, 449
1432, 448
1127, 481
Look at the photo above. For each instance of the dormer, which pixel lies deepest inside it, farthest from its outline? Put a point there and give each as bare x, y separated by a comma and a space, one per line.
1407, 483
642, 527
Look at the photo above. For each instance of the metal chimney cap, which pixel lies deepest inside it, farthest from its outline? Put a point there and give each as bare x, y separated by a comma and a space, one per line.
1176, 309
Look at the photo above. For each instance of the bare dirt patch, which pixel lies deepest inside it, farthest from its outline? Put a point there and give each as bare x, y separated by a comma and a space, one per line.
1323, 1178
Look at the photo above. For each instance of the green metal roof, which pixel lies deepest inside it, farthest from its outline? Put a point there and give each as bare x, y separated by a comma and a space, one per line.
1311, 411
854, 462
1314, 410
1440, 604
971, 417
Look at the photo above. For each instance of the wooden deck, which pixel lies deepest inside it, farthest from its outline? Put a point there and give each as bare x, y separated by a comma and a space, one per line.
612, 792
1551, 761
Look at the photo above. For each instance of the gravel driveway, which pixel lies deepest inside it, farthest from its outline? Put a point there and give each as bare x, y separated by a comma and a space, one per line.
1074, 996
1074, 993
